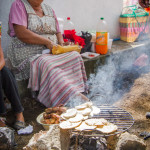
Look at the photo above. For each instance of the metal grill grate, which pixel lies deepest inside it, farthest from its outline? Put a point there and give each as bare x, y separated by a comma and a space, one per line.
113, 114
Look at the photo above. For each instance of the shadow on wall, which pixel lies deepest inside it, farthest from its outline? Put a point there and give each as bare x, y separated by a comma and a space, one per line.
4, 14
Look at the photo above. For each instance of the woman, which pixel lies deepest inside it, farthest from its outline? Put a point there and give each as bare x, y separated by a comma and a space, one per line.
33, 28
8, 84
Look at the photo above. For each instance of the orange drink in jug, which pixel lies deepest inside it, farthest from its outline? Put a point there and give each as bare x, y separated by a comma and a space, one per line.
101, 37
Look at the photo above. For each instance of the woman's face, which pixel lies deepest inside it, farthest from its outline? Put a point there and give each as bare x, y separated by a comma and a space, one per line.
35, 2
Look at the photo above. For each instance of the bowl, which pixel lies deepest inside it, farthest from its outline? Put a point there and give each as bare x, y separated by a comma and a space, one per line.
40, 118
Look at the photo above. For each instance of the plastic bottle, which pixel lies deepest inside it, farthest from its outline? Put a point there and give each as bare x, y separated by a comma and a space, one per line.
68, 25
101, 37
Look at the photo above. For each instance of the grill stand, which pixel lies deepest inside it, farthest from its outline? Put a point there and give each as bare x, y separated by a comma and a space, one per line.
113, 114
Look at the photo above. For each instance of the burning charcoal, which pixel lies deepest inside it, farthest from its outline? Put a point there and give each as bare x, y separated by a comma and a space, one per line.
89, 144
86, 143
148, 115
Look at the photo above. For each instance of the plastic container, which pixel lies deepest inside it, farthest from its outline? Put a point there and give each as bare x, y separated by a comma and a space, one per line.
101, 37
68, 29
93, 47
110, 43
68, 25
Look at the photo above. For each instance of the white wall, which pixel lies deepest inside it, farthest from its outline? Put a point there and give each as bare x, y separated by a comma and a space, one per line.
85, 13
4, 13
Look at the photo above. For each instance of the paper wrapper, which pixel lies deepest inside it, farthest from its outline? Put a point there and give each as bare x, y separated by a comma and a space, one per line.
64, 49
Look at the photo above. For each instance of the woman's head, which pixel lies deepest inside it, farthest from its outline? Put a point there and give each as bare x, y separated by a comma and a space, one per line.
35, 3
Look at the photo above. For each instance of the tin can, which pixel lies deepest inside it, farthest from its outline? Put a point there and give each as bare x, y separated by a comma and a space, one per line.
0, 28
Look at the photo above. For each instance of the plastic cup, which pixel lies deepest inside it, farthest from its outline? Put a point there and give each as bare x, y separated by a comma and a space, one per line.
93, 47
110, 43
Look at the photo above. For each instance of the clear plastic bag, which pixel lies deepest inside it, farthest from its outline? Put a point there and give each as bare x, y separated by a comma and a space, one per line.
133, 11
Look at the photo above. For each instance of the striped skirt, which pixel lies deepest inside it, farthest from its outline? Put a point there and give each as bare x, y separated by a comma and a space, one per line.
57, 77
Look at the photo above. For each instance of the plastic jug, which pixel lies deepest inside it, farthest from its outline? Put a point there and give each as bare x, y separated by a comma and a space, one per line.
101, 45
68, 25
68, 29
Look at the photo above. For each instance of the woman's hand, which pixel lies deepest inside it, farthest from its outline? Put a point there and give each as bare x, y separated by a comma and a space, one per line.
67, 43
49, 44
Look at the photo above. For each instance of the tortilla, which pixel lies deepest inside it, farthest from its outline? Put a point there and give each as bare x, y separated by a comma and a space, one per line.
77, 118
109, 128
84, 126
68, 125
86, 112
95, 110
96, 122
81, 107
70, 113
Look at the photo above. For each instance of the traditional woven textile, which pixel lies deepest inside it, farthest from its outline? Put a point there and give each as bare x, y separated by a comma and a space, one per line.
57, 77
129, 28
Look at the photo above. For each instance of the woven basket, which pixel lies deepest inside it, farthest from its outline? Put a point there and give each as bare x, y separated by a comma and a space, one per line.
131, 25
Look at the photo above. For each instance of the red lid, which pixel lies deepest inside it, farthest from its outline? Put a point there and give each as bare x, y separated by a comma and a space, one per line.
68, 18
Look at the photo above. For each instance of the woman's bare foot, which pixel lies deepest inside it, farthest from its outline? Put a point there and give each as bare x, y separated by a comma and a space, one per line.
19, 123
19, 117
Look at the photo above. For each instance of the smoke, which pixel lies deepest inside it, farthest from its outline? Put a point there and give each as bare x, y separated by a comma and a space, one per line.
74, 101
101, 83
116, 77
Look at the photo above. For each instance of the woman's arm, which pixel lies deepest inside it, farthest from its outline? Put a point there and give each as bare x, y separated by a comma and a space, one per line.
2, 60
60, 38
30, 37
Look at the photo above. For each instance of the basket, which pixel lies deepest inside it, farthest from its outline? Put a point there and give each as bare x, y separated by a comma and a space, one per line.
132, 23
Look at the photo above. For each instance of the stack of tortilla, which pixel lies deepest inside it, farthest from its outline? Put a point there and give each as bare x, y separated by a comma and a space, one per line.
77, 118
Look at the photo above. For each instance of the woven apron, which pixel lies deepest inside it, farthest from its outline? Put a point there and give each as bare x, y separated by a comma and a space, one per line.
21, 54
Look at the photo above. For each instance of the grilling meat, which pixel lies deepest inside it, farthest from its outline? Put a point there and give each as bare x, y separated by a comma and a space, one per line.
52, 115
